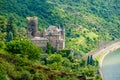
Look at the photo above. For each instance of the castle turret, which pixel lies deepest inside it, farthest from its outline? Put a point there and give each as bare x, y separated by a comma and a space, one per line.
44, 33
32, 26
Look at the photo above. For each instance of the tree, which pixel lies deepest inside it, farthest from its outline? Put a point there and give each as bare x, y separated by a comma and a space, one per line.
2, 72
88, 60
91, 60
10, 36
50, 49
2, 28
11, 28
26, 76
22, 32
24, 47
54, 58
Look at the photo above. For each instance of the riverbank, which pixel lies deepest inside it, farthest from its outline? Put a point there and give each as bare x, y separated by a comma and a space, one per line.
101, 48
103, 51
110, 65
103, 56
107, 52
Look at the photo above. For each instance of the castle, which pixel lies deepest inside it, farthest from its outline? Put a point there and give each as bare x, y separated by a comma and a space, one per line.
54, 35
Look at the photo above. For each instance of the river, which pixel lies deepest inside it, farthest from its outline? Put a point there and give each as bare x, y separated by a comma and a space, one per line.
111, 66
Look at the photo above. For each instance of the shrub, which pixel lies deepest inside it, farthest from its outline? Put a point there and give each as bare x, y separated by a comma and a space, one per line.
24, 47
2, 44
26, 76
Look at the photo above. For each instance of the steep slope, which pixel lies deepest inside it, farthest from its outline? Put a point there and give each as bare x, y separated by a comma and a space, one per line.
92, 22
87, 22
21, 9
23, 69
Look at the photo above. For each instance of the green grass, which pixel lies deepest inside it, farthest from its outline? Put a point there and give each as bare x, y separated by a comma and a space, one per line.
99, 57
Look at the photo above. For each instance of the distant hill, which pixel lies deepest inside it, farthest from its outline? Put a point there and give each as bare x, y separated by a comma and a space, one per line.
87, 22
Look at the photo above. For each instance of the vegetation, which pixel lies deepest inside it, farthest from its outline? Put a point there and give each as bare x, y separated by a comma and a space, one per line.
87, 22
20, 59
24, 47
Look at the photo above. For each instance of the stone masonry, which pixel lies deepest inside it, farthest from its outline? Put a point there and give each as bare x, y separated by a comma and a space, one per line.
54, 35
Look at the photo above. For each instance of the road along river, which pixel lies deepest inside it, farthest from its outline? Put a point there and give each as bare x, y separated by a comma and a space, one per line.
110, 67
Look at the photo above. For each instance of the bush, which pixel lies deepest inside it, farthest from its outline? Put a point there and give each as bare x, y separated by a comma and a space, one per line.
2, 72
40, 76
2, 77
54, 58
2, 44
26, 76
24, 47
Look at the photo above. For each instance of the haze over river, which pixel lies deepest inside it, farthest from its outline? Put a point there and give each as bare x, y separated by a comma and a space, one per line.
111, 66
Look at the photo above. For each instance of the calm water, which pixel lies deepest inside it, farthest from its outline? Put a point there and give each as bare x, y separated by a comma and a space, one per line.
111, 66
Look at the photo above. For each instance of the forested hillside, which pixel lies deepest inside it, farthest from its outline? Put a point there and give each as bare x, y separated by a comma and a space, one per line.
20, 59
87, 22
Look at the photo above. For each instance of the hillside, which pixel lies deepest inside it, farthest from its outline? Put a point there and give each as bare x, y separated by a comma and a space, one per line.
22, 60
87, 22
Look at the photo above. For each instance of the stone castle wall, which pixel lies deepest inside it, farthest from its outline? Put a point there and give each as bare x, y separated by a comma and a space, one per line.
54, 35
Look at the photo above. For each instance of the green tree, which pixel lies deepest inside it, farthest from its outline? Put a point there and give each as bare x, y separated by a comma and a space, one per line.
2, 72
2, 44
91, 60
54, 58
26, 76
24, 47
3, 22
50, 49
10, 36
88, 60
22, 32
11, 28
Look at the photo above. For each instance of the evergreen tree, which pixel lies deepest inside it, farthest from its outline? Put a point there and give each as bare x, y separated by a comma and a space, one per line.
88, 60
11, 29
2, 24
2, 28
91, 60
10, 36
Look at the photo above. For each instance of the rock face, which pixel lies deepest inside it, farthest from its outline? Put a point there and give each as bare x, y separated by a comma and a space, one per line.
54, 35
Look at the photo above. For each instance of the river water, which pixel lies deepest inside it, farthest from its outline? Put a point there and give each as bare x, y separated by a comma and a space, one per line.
111, 66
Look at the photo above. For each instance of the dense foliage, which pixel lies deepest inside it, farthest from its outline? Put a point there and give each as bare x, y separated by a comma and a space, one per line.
20, 59
24, 47
87, 22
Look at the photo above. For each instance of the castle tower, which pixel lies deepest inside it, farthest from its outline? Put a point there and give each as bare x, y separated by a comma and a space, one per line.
44, 33
32, 29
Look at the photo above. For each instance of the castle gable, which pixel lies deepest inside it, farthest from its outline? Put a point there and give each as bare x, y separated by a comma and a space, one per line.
53, 30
